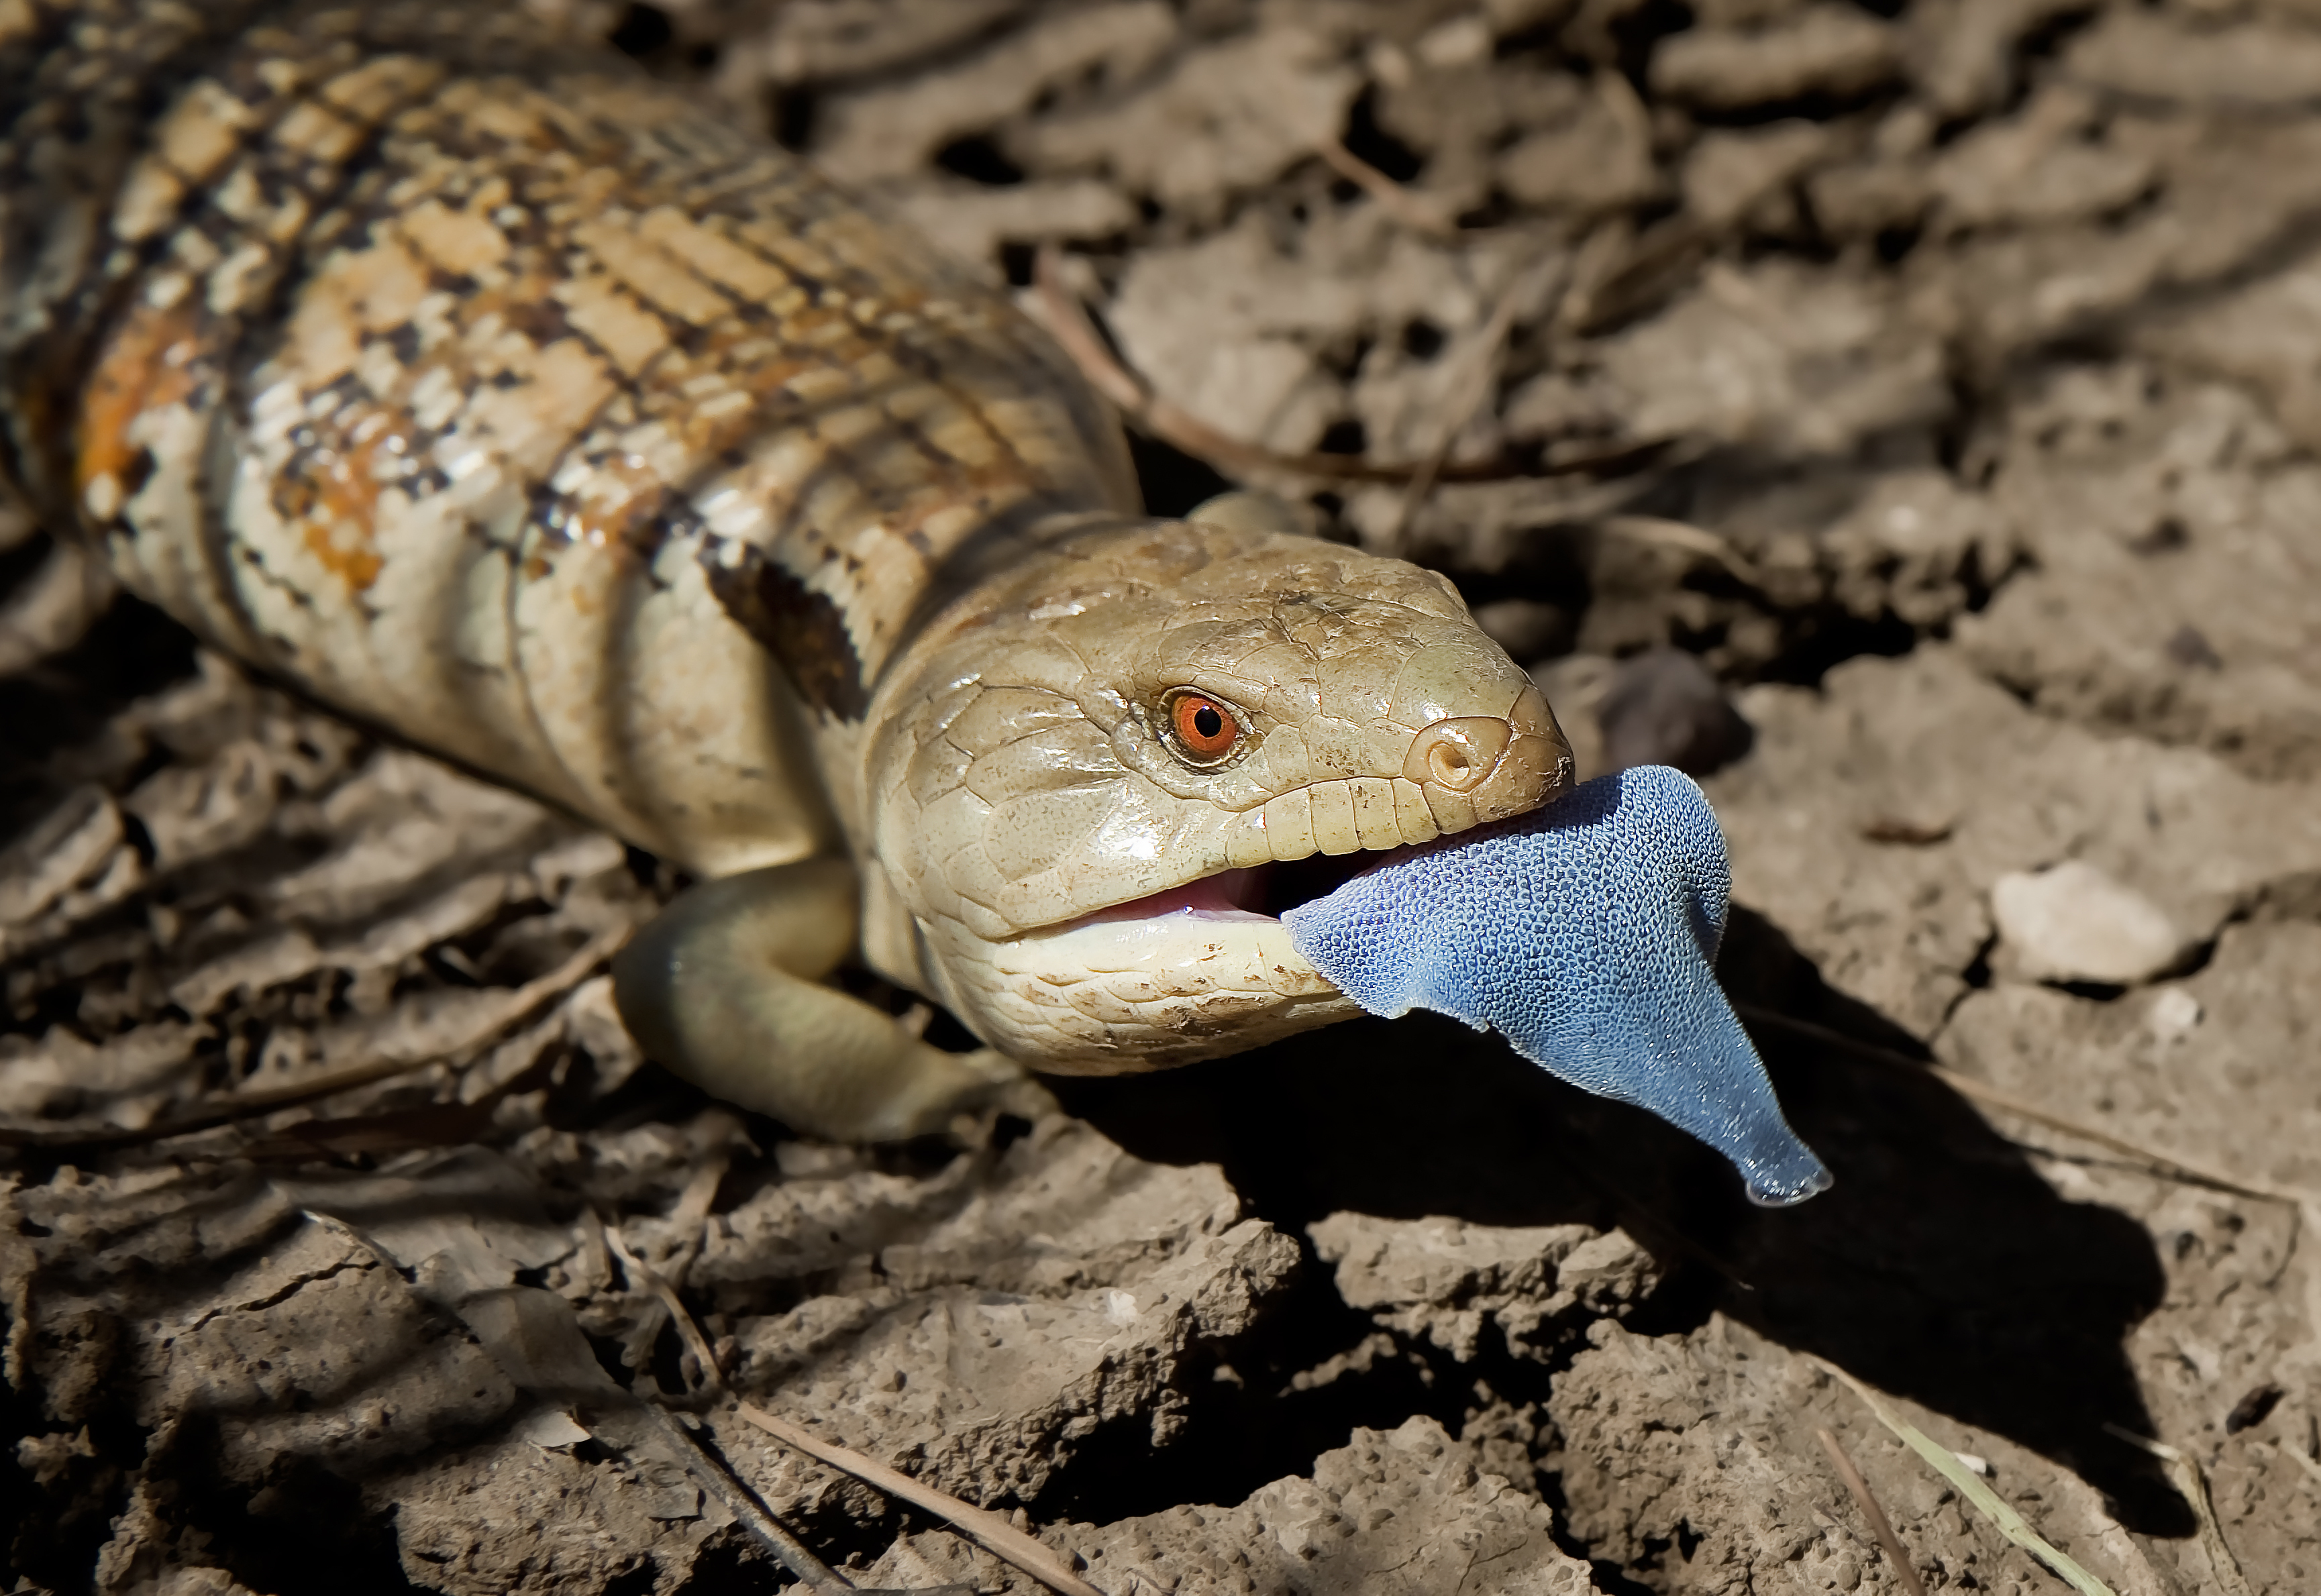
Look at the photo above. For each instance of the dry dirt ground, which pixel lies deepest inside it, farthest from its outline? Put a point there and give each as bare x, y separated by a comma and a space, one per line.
1958, 365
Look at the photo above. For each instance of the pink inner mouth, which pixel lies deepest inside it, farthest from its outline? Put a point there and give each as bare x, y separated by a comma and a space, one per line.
1229, 894
1262, 892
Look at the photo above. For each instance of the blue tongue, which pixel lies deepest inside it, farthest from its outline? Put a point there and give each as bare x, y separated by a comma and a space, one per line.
1583, 932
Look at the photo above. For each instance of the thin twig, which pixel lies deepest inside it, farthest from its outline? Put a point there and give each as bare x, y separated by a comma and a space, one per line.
522, 1003
644, 1274
987, 1529
243, 1105
2184, 1473
748, 1511
715, 1130
1878, 1525
535, 1338
1068, 323
708, 1471
2297, 1457
1472, 385
433, 1124
1414, 211
1966, 1085
1683, 536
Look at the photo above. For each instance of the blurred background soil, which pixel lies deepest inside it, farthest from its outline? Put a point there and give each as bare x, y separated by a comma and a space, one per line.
1946, 379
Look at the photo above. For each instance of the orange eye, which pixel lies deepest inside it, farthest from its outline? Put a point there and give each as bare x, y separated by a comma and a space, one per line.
1204, 727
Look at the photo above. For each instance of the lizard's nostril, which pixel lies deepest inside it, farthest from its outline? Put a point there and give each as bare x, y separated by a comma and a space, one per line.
1459, 753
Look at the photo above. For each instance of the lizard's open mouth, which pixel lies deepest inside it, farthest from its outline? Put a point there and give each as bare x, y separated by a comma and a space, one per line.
1178, 975
1261, 891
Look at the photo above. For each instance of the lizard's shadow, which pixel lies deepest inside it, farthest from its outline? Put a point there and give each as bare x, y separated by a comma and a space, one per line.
1941, 1266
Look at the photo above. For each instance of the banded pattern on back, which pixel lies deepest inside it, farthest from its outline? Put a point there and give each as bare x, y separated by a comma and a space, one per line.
502, 396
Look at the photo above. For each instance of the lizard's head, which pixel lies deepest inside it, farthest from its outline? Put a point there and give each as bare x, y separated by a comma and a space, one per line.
1100, 776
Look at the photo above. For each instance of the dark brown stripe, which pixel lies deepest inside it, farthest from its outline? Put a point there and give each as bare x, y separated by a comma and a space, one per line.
801, 628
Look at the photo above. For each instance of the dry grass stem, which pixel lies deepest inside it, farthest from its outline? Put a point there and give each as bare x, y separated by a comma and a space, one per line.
1966, 1085
1879, 1524
1414, 211
1963, 1480
2184, 1473
1472, 385
1068, 323
987, 1530
522, 1003
713, 1130
1685, 537
2309, 1465
706, 1472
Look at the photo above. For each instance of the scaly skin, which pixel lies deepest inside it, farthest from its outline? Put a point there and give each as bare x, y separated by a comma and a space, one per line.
497, 395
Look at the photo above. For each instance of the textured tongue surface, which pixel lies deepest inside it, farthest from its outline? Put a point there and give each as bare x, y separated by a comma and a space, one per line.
1584, 934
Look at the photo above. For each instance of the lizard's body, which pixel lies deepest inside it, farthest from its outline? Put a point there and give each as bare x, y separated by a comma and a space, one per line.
499, 395
496, 395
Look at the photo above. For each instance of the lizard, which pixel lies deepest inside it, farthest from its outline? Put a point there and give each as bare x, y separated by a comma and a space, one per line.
492, 393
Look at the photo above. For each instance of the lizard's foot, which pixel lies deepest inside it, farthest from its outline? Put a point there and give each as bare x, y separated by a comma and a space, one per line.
725, 988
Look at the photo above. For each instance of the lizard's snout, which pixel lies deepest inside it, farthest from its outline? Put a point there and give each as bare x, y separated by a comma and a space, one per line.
1486, 767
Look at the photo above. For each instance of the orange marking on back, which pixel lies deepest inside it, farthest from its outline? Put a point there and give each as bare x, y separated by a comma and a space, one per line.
336, 503
622, 497
343, 537
147, 365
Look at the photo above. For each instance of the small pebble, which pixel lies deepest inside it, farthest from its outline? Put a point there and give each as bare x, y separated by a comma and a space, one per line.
2253, 1407
1459, 43
2075, 923
548, 1428
1663, 707
2173, 1013
2190, 648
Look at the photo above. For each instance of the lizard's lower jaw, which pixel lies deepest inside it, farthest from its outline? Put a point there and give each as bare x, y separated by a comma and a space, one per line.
1195, 971
1184, 975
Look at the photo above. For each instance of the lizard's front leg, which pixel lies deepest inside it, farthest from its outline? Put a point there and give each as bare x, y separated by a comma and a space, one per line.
725, 988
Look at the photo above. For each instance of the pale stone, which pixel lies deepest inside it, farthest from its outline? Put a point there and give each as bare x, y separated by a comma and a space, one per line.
2173, 1013
2073, 922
